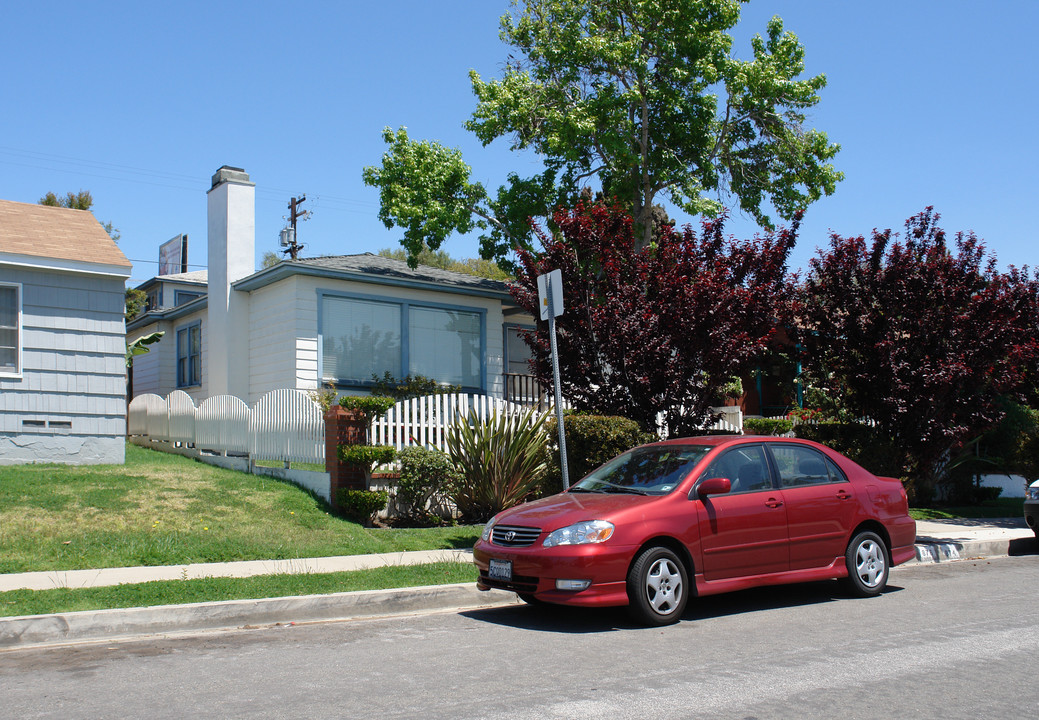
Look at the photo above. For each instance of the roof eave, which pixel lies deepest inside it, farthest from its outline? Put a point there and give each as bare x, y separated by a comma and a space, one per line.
285, 269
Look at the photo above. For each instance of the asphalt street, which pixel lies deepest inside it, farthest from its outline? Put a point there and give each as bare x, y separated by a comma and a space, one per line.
950, 640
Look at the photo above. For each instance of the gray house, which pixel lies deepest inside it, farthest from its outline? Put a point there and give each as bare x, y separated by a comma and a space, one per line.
62, 338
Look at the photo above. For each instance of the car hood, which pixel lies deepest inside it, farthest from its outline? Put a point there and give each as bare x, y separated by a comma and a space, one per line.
566, 508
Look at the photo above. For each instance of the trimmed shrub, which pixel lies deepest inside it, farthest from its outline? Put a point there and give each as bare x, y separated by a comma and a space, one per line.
370, 406
591, 440
427, 479
366, 456
362, 505
767, 426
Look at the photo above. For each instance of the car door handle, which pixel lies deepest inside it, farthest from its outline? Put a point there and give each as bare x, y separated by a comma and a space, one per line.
842, 495
773, 503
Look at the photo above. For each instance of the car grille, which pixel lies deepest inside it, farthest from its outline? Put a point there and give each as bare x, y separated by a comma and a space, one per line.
514, 536
519, 583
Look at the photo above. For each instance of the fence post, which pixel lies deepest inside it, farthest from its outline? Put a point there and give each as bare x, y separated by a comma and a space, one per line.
344, 427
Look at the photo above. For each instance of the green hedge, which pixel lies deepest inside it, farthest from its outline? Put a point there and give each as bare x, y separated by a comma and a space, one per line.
767, 426
362, 505
591, 440
427, 479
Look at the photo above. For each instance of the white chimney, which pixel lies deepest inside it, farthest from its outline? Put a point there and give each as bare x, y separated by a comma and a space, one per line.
232, 241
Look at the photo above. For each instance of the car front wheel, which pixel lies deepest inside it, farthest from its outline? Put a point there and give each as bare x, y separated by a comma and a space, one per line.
866, 559
658, 587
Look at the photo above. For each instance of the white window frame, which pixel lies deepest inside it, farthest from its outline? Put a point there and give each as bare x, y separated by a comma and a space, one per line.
17, 372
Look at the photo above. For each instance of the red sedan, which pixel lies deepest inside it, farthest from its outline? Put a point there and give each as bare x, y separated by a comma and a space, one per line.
700, 516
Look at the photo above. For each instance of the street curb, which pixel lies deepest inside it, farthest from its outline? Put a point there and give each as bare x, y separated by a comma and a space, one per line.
166, 620
939, 551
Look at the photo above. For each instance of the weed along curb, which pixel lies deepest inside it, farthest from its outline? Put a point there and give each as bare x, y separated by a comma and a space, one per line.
109, 625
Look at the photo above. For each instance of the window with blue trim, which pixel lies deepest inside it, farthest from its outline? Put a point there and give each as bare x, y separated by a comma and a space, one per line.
189, 355
362, 337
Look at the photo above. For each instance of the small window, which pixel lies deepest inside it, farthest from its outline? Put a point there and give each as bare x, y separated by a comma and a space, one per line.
517, 352
745, 467
189, 356
800, 466
10, 330
182, 296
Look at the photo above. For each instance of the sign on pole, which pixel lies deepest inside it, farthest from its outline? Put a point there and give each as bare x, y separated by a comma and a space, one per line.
550, 298
550, 294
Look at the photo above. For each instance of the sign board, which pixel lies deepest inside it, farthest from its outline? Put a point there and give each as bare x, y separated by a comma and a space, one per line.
550, 294
173, 256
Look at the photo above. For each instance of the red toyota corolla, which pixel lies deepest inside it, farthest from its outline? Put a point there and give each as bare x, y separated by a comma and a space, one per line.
700, 516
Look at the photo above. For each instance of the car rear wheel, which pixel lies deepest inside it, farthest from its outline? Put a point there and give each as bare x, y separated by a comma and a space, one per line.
867, 563
658, 587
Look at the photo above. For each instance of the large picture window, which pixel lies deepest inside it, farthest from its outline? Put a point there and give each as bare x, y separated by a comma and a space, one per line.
10, 329
359, 338
362, 337
189, 356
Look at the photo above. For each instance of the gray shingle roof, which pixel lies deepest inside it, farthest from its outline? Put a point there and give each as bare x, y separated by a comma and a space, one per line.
379, 266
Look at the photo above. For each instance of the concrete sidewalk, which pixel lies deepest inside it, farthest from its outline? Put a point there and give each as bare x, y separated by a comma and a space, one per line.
937, 541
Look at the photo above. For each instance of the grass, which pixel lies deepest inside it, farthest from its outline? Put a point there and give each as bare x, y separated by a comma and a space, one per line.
161, 509
174, 592
998, 508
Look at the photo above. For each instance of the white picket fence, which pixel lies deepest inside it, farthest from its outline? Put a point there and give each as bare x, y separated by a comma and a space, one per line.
283, 425
425, 421
288, 426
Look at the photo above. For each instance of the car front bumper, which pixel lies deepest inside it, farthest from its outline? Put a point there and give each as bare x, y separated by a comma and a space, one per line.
535, 571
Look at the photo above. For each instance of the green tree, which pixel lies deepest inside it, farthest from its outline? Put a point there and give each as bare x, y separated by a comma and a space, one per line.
270, 259
135, 302
477, 267
643, 98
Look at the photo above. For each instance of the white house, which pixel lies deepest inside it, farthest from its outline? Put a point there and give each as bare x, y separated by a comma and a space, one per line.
304, 323
62, 335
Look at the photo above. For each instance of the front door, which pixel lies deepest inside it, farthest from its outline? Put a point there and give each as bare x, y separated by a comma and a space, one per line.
743, 532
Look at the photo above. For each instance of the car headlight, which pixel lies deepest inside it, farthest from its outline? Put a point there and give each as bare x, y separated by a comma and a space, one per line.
1032, 493
486, 534
582, 533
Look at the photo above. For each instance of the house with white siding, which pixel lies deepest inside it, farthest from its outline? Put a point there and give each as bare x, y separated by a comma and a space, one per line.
62, 338
310, 322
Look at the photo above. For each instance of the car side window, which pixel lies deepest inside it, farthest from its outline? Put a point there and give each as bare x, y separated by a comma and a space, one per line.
745, 467
799, 466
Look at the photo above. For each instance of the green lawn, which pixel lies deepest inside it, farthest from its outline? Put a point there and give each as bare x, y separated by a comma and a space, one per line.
998, 508
174, 592
161, 509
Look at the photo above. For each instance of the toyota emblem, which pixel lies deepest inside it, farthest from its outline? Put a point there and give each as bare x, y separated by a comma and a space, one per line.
510, 536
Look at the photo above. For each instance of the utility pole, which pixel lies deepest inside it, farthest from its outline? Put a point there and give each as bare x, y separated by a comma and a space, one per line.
295, 214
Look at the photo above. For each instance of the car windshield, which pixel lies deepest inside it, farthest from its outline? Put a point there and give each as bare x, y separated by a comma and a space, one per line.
653, 470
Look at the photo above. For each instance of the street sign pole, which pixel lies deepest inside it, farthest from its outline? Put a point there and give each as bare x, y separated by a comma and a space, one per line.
558, 394
550, 297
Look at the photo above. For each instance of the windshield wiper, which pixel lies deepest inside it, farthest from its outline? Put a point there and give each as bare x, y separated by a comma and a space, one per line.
577, 488
625, 490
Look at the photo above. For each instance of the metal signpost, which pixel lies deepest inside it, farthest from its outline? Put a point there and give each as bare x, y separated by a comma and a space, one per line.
550, 298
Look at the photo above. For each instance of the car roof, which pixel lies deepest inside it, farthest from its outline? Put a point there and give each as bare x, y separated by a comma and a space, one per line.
716, 440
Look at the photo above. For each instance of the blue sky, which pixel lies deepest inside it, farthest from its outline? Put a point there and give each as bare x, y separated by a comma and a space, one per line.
933, 103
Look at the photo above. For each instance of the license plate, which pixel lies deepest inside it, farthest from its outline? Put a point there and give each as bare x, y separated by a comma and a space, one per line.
500, 570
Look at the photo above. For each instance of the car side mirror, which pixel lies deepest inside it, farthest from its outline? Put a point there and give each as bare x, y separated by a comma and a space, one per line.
714, 486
